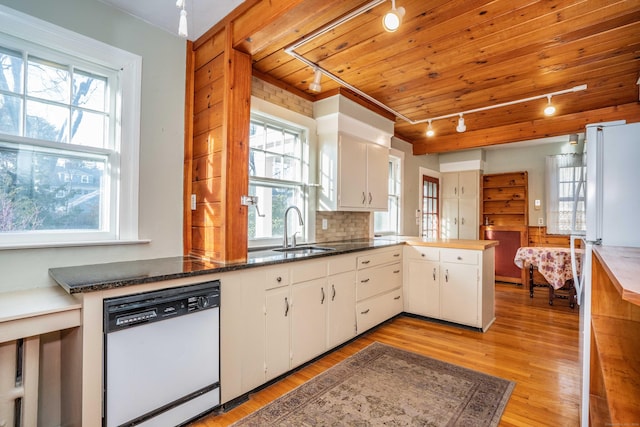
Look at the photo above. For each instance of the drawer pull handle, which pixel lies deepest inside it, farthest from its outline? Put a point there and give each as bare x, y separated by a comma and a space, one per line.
396, 255
446, 275
366, 262
278, 279
364, 280
397, 298
396, 271
364, 312
434, 273
333, 296
286, 307
322, 290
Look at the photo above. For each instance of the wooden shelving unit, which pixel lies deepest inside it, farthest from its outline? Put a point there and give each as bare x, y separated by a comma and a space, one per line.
504, 216
615, 337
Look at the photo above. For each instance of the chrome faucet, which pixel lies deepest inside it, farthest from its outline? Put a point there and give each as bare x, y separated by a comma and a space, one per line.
285, 242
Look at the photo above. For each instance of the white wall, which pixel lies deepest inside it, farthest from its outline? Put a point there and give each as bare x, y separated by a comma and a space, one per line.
161, 140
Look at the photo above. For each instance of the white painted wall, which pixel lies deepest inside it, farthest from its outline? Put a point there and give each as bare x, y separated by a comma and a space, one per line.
161, 140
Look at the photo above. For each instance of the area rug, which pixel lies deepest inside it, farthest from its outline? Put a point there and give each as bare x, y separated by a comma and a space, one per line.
383, 385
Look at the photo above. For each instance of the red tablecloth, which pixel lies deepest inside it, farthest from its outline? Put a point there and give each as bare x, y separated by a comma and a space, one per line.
553, 263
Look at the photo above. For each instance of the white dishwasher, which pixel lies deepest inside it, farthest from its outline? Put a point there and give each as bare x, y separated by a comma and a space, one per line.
161, 356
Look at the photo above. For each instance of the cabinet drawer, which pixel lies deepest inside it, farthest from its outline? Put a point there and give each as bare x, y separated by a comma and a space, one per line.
341, 264
308, 270
376, 310
459, 256
276, 277
425, 253
373, 258
373, 281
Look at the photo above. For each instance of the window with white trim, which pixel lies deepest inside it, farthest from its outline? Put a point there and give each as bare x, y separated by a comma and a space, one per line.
565, 185
278, 171
388, 223
68, 164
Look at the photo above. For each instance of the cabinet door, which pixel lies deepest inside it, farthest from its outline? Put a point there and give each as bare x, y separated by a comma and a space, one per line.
377, 177
467, 219
308, 322
253, 330
277, 346
468, 183
341, 318
449, 182
424, 288
459, 293
352, 175
449, 219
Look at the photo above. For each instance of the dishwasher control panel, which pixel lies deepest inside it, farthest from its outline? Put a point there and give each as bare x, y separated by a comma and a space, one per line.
139, 309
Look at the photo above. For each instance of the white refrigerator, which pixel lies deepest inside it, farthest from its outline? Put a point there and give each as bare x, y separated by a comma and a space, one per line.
612, 152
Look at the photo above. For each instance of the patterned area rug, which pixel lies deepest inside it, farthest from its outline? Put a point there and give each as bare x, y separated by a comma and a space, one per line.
383, 385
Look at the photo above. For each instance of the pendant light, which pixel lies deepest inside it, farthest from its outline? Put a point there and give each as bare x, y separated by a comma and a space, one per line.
315, 85
549, 110
430, 131
461, 126
392, 19
182, 23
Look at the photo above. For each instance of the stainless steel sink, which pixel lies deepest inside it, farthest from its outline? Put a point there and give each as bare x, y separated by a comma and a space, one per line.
305, 250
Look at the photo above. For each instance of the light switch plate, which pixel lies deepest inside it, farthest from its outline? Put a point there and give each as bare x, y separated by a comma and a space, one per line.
324, 224
540, 221
193, 202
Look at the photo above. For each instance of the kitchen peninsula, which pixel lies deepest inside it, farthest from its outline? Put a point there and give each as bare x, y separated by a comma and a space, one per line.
364, 283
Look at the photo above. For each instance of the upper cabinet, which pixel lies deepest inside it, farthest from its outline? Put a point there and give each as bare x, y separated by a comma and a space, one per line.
353, 170
459, 218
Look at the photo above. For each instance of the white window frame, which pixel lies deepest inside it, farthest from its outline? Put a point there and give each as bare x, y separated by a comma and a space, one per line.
396, 158
290, 118
557, 221
124, 168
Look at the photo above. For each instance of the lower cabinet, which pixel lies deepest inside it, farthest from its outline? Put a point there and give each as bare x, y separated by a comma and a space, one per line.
277, 317
456, 285
341, 286
308, 320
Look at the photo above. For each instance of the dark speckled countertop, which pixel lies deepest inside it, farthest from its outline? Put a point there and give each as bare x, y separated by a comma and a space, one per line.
95, 277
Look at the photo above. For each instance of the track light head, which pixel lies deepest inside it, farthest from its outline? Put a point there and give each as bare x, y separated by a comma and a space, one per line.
430, 131
549, 110
315, 86
392, 19
461, 126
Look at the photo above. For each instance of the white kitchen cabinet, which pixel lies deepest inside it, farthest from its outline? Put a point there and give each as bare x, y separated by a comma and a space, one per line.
341, 285
354, 174
277, 352
460, 206
308, 320
422, 290
378, 287
463, 291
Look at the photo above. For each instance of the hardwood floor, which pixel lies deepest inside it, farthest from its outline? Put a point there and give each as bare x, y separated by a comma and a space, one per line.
531, 343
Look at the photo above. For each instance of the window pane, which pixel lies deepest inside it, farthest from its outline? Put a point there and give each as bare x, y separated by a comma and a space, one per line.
274, 140
89, 91
273, 201
257, 135
291, 169
46, 190
47, 121
46, 80
256, 163
10, 114
11, 65
291, 145
88, 129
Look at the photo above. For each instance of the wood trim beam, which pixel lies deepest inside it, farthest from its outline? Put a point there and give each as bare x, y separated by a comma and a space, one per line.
547, 127
187, 173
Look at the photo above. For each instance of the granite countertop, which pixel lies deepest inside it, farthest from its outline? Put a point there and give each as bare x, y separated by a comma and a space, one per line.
95, 277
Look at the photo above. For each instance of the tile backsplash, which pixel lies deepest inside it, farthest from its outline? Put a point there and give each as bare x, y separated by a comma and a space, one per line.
342, 226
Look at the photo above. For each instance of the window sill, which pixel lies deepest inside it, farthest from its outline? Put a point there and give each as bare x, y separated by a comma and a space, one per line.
72, 244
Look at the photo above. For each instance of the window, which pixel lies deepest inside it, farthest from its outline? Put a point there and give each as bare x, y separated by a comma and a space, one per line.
389, 222
430, 202
565, 176
277, 172
67, 165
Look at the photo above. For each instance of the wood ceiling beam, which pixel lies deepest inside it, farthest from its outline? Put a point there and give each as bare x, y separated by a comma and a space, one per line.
555, 126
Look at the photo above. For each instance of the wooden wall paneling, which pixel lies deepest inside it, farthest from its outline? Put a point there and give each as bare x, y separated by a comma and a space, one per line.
235, 181
188, 150
210, 49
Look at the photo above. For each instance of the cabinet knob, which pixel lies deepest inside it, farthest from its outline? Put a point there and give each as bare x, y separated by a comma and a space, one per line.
459, 258
423, 255
278, 279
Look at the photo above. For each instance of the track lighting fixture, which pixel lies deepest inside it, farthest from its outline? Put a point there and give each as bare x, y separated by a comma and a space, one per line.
315, 85
549, 110
392, 19
461, 126
430, 131
182, 23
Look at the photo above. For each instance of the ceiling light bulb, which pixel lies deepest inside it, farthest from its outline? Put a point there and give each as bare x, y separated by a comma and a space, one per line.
315, 85
549, 110
430, 131
180, 4
392, 19
182, 25
461, 126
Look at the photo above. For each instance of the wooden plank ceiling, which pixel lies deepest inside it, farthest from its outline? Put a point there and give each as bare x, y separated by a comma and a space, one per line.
454, 56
